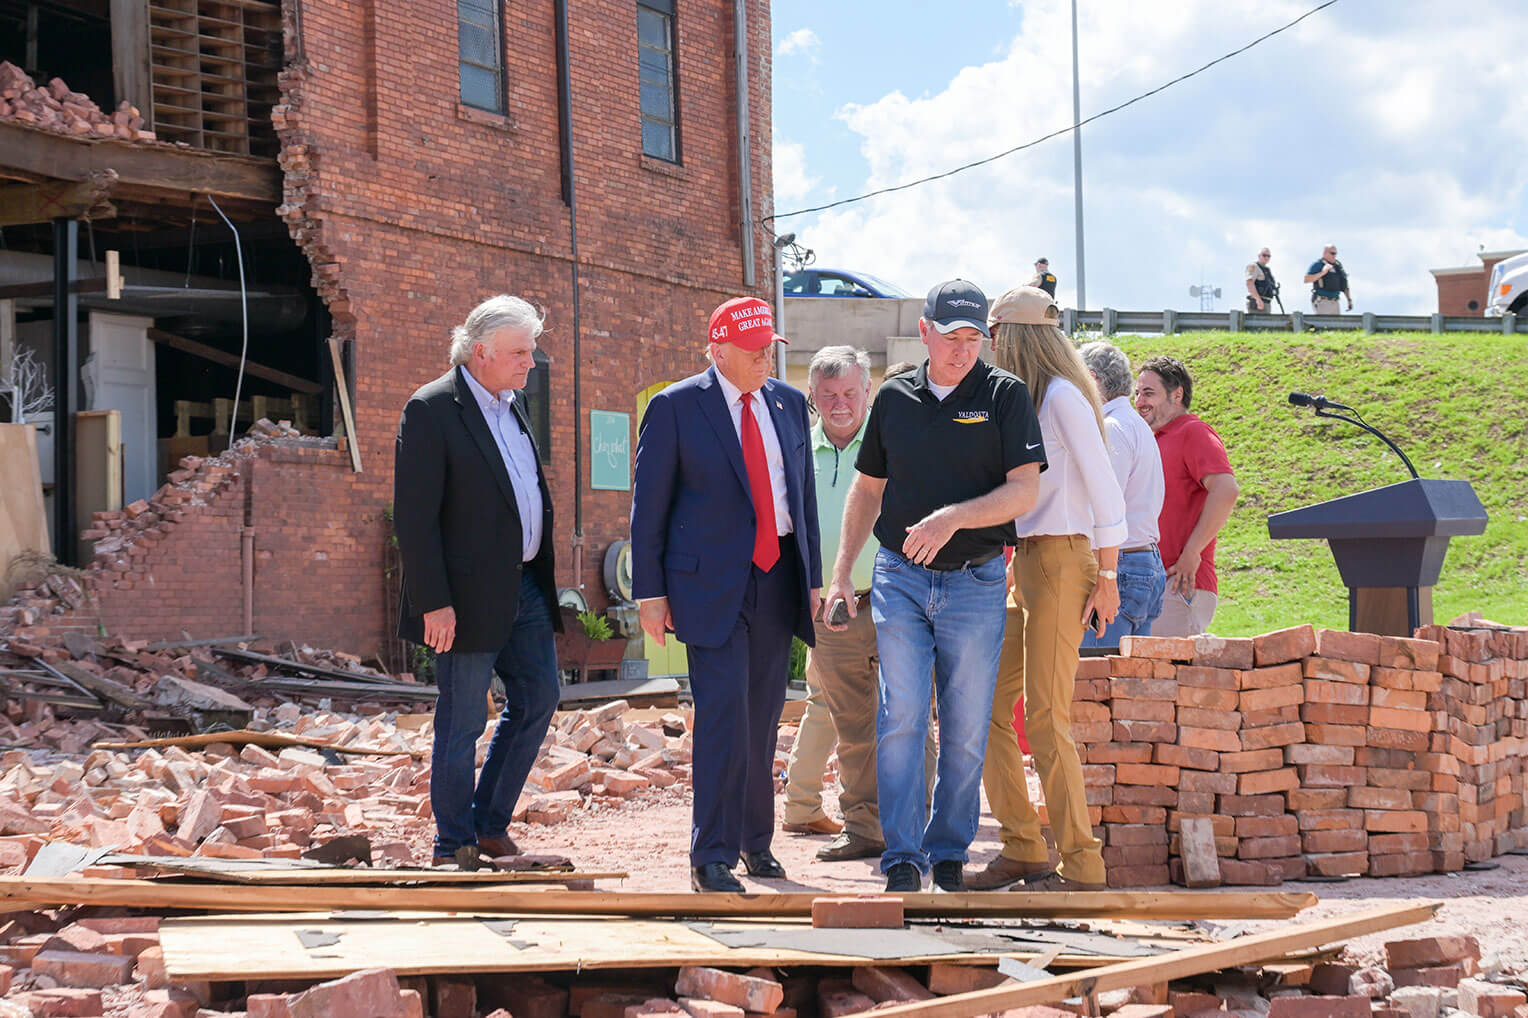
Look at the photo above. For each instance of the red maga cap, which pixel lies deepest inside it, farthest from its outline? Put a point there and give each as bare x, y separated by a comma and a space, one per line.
746, 322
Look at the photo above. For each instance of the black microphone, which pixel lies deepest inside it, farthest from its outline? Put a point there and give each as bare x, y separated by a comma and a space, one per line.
1319, 402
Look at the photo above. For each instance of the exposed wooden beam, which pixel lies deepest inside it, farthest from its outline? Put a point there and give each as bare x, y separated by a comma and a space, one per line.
1190, 961
212, 353
160, 167
130, 55
14, 291
38, 203
992, 904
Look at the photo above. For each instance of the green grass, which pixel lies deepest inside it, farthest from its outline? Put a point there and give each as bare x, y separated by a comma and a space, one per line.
1456, 405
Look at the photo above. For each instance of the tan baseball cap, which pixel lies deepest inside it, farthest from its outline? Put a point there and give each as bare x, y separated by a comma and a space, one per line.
1025, 305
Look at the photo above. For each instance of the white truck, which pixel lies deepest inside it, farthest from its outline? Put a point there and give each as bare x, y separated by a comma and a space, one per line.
1508, 290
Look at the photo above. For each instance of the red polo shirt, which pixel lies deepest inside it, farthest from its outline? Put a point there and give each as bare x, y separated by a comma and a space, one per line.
1191, 451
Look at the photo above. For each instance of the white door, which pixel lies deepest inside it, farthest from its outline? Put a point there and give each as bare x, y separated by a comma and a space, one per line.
120, 376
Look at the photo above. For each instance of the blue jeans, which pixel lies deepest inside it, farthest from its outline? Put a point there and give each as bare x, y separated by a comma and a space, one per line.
465, 811
944, 628
1142, 581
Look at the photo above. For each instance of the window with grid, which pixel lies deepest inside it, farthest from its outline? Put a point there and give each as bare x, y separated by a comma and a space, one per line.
480, 49
655, 65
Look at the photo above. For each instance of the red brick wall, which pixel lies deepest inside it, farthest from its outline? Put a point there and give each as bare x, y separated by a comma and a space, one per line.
413, 210
1456, 291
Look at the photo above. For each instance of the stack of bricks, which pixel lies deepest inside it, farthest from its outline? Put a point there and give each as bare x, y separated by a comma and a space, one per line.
1093, 732
1483, 711
1143, 695
1270, 694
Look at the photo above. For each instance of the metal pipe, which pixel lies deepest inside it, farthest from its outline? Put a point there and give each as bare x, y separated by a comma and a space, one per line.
247, 562
66, 373
570, 198
744, 139
779, 308
1082, 273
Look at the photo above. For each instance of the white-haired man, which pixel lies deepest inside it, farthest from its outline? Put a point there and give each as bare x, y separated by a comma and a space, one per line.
474, 525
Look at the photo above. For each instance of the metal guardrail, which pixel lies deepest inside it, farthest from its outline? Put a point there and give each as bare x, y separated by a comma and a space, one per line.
1166, 323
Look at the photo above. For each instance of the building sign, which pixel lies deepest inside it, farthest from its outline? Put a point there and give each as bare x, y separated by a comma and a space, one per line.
609, 450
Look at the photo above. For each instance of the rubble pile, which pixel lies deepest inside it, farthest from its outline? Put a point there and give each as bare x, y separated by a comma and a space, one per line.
55, 107
239, 800
96, 964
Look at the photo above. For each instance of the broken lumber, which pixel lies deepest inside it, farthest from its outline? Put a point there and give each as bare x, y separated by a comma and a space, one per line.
1190, 961
101, 686
1008, 904
301, 667
246, 737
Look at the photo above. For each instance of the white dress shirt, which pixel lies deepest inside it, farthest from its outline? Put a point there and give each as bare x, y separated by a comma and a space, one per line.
519, 459
1138, 468
1078, 493
772, 454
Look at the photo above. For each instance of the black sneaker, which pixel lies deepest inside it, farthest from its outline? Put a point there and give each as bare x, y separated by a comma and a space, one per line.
948, 876
903, 878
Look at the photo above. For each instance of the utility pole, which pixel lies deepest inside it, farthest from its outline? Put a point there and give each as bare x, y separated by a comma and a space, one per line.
1082, 275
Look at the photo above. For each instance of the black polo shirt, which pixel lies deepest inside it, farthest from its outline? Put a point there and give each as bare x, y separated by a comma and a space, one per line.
933, 454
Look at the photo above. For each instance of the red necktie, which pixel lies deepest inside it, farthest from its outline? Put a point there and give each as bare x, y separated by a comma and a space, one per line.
766, 543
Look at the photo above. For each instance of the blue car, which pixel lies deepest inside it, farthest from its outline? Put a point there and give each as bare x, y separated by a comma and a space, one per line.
838, 283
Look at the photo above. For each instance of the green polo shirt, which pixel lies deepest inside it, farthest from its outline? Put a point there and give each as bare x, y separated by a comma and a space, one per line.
835, 472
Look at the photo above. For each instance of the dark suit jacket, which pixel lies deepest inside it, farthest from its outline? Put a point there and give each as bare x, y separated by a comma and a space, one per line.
692, 520
457, 521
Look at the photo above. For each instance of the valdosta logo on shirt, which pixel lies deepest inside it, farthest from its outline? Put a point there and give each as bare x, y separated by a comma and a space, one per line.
970, 416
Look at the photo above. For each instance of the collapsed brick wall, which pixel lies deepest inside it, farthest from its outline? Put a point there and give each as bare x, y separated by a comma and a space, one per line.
173, 563
1310, 751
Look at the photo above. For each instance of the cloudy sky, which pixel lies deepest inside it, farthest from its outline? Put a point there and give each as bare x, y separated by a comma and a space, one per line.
1393, 128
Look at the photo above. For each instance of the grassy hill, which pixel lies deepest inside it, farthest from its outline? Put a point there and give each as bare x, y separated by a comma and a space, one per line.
1455, 403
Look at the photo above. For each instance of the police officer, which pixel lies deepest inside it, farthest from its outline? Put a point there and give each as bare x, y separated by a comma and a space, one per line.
1261, 286
1043, 278
1329, 280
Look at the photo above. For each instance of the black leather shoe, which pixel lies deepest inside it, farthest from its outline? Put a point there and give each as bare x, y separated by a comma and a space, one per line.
850, 846
715, 876
904, 878
764, 865
948, 876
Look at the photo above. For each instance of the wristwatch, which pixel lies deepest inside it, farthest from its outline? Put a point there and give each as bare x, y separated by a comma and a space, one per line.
1108, 574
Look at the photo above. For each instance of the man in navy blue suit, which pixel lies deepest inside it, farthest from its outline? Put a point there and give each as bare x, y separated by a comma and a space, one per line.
725, 555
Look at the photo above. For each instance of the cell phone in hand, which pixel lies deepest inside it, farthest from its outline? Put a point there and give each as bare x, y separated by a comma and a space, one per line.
838, 613
1093, 622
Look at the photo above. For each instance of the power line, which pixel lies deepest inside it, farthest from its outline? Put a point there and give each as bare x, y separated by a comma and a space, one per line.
1056, 134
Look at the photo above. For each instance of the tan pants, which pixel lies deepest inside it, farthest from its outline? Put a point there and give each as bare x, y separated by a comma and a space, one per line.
1185, 618
1053, 576
842, 676
1326, 306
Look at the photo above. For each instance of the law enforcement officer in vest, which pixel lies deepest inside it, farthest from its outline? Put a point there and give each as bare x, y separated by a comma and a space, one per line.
1043, 277
1329, 280
1261, 286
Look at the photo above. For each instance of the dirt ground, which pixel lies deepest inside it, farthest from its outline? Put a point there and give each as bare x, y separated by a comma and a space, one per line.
649, 840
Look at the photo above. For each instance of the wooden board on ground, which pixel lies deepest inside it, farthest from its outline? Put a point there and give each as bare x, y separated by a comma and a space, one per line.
274, 876
245, 737
661, 692
1190, 961
221, 948
991, 904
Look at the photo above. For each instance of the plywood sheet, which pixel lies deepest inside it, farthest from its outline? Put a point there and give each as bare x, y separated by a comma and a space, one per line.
23, 522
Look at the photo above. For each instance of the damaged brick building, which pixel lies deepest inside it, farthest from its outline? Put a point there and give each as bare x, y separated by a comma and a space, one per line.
380, 167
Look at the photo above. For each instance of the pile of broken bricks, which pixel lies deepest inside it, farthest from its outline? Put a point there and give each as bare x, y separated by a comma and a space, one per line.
56, 107
245, 801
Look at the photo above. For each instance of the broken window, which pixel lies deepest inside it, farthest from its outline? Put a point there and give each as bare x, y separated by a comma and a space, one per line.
655, 66
479, 41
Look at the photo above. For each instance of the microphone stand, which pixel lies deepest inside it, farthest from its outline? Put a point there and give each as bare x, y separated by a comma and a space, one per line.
1356, 422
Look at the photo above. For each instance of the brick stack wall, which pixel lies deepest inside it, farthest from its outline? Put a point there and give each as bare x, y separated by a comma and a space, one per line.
1309, 751
172, 564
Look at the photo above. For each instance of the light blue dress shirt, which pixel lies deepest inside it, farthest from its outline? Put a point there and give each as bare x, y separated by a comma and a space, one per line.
519, 459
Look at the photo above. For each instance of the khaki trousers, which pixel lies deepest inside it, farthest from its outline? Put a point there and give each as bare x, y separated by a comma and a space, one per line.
842, 681
1185, 618
1327, 305
1053, 576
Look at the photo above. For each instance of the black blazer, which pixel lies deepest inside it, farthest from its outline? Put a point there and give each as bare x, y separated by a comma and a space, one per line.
457, 521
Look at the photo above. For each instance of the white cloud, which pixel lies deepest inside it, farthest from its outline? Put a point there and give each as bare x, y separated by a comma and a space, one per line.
792, 183
802, 40
1386, 129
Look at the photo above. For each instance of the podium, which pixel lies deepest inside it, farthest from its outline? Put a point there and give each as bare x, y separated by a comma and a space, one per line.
1389, 544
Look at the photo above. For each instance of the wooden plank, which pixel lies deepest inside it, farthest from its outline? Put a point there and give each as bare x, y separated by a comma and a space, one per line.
619, 689
226, 948
130, 54
1005, 904
211, 353
277, 873
321, 671
22, 204
343, 388
60, 157
103, 687
1177, 965
11, 291
245, 737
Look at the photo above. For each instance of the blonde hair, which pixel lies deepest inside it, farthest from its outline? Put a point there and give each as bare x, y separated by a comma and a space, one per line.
1039, 354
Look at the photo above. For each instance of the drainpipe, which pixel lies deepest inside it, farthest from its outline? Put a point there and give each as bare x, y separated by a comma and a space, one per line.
66, 379
744, 139
570, 198
247, 561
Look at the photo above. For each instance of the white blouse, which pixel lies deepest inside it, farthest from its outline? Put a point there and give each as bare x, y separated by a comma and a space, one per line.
1079, 493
